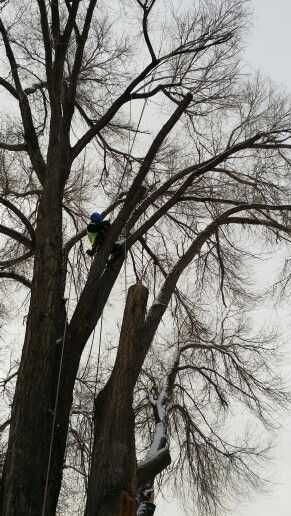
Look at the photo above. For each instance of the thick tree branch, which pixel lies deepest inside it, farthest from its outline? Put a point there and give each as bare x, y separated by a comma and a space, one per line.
135, 193
69, 25
15, 261
16, 277
272, 146
55, 19
158, 456
9, 87
35, 87
13, 147
157, 262
29, 129
258, 222
20, 215
91, 305
46, 37
221, 266
4, 425
150, 468
76, 29
146, 11
15, 235
81, 42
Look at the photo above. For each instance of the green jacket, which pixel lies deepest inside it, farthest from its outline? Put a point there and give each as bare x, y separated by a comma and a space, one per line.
97, 231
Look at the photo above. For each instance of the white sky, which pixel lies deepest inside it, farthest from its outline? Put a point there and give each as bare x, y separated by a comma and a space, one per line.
268, 50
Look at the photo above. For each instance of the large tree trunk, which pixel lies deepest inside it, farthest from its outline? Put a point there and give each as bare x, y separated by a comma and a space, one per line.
26, 462
112, 482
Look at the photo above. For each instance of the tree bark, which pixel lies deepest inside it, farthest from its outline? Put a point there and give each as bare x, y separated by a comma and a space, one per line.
112, 482
26, 461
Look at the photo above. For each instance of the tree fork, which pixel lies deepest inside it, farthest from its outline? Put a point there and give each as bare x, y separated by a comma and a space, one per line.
112, 481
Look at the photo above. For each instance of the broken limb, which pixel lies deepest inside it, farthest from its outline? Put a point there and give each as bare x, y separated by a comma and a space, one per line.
112, 479
158, 457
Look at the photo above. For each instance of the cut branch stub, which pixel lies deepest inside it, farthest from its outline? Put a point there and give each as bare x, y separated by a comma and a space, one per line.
113, 472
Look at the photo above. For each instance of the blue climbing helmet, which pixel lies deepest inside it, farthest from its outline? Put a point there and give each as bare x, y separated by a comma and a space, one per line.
96, 217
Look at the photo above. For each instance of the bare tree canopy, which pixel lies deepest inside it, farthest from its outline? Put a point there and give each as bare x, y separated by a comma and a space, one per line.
140, 110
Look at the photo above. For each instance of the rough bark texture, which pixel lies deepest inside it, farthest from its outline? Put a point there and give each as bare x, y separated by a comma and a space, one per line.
112, 483
31, 420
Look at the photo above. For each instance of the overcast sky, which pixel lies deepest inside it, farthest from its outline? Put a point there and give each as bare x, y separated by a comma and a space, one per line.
269, 51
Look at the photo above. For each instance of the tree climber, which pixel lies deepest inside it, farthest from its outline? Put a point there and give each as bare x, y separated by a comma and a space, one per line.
97, 231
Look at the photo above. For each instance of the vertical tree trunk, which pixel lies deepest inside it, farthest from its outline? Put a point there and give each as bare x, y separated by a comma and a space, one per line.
112, 482
32, 413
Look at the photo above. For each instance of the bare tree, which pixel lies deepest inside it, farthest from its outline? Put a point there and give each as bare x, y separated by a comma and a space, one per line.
211, 169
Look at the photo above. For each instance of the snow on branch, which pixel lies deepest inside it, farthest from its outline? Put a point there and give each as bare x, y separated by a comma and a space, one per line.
158, 457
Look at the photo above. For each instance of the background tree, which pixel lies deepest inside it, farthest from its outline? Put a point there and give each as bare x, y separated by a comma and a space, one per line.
187, 180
